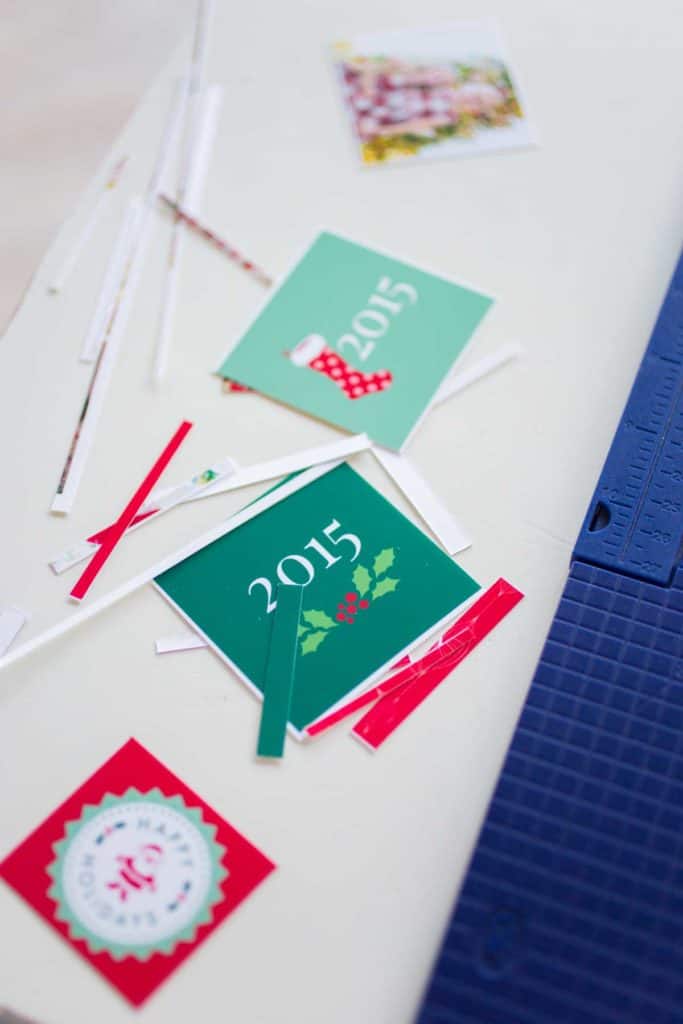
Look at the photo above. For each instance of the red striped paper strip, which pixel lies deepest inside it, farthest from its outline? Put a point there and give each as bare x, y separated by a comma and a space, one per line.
392, 709
116, 531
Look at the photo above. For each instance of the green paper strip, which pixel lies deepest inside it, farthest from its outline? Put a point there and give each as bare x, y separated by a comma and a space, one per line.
278, 685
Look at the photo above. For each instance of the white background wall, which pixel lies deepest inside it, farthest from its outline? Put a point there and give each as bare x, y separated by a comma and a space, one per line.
71, 72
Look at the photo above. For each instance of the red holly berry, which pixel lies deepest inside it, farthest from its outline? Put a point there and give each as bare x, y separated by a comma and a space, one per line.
341, 607
340, 616
351, 597
350, 618
363, 604
351, 609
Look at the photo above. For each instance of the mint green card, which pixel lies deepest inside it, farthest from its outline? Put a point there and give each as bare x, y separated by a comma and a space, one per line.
357, 338
373, 585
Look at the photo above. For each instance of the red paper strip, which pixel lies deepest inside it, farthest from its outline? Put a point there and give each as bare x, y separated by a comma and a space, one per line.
230, 386
116, 531
440, 651
393, 708
101, 535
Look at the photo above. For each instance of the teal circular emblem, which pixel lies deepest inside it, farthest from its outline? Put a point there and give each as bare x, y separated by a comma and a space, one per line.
137, 874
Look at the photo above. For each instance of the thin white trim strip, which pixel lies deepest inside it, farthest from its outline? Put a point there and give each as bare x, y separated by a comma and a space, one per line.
211, 101
112, 277
188, 640
108, 349
201, 111
91, 222
79, 244
260, 472
423, 499
457, 382
11, 621
209, 107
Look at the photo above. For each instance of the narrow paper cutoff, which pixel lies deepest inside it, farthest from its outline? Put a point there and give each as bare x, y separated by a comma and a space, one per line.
374, 586
12, 620
357, 338
161, 500
431, 509
185, 641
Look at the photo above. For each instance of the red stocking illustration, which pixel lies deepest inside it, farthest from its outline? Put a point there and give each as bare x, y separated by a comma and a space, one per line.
315, 353
232, 385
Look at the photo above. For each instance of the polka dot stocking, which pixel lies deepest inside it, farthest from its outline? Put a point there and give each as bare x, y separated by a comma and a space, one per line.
314, 353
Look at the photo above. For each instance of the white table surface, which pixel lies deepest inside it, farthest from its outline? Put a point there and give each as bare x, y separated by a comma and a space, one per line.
576, 240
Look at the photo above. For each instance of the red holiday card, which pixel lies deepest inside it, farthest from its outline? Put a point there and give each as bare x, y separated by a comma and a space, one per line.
135, 870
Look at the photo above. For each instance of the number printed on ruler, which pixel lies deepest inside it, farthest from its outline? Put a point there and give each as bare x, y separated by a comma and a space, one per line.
388, 300
298, 571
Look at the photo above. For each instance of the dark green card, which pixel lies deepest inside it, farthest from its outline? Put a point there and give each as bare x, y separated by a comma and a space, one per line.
374, 584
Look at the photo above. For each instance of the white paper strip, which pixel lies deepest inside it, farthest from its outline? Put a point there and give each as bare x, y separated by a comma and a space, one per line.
160, 500
459, 381
423, 499
11, 621
185, 641
208, 115
94, 400
304, 459
110, 283
202, 112
82, 439
79, 244
169, 141
208, 107
196, 83
113, 597
89, 226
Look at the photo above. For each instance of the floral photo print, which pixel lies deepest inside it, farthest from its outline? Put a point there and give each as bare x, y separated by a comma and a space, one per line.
428, 93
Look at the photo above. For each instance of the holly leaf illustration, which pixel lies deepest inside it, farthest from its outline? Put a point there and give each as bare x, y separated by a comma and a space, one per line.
385, 586
383, 561
319, 620
361, 579
313, 641
301, 630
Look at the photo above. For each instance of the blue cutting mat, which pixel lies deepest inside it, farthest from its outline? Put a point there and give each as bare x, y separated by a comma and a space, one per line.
572, 909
